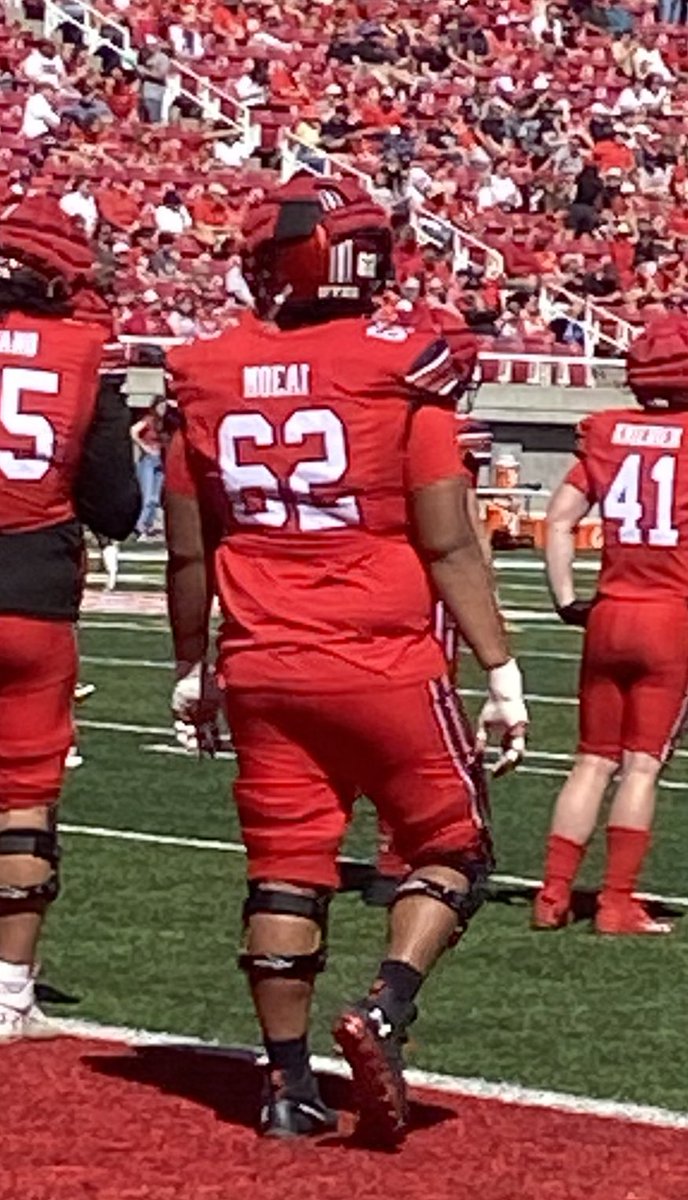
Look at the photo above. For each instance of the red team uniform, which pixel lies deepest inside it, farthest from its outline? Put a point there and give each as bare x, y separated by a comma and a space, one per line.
48, 388
634, 678
307, 450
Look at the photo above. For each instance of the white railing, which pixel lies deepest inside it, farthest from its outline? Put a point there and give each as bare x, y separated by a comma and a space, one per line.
544, 370
600, 324
97, 29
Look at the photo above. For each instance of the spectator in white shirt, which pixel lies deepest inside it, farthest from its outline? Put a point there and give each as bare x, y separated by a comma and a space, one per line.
546, 24
79, 203
172, 216
649, 95
499, 190
647, 60
186, 41
252, 87
40, 117
43, 66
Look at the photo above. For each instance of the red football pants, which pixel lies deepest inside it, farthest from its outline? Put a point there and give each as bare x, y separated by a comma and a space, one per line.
38, 668
634, 678
303, 760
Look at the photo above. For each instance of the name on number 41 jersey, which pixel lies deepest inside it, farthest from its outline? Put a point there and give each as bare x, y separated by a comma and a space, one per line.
634, 464
306, 445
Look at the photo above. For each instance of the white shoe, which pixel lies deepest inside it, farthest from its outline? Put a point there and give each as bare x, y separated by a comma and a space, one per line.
73, 759
82, 691
30, 1023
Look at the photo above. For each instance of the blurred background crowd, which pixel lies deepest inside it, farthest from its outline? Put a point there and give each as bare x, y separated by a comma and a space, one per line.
534, 155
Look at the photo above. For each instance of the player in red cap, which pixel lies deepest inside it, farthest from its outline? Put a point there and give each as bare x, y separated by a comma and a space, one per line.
319, 461
634, 677
65, 459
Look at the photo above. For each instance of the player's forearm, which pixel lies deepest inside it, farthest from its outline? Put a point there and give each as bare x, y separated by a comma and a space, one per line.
463, 581
559, 556
188, 606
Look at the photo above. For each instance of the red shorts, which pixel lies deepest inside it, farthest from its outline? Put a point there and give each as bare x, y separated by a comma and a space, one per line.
303, 760
38, 666
634, 678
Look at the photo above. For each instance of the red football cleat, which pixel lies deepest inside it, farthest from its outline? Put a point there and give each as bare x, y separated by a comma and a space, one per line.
628, 916
551, 911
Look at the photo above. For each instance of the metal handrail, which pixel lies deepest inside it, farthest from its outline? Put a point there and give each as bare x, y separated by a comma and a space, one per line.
184, 81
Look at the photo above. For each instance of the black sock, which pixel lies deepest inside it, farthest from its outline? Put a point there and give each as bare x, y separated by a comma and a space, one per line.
291, 1056
397, 985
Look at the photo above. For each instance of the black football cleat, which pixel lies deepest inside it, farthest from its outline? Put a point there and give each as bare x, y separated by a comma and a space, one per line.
372, 1046
296, 1110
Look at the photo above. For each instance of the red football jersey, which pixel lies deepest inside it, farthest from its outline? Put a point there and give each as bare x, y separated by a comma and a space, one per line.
634, 464
48, 388
309, 444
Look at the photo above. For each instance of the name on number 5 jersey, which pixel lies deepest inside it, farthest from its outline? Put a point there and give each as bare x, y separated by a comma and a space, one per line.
635, 466
306, 443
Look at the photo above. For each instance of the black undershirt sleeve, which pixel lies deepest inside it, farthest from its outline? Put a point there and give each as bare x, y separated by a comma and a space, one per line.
106, 491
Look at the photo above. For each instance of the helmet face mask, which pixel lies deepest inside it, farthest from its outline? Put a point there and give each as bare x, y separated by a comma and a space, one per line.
316, 250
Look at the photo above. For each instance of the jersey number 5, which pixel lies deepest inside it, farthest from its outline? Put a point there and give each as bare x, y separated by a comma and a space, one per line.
32, 465
280, 497
623, 501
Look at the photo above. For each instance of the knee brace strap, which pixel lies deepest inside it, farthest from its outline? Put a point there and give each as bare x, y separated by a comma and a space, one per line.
463, 904
277, 902
34, 843
312, 906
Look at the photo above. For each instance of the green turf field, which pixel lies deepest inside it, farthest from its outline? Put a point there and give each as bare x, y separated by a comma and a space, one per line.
145, 933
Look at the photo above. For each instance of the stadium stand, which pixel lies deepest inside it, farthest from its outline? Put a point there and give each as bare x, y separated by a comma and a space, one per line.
533, 154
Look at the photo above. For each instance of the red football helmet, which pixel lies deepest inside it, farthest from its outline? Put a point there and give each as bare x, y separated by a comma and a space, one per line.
316, 248
657, 363
56, 265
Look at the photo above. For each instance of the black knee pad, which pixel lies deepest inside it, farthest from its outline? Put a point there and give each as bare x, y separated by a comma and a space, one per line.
41, 844
312, 906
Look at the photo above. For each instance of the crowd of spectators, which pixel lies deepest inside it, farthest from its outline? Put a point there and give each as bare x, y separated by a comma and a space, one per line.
554, 134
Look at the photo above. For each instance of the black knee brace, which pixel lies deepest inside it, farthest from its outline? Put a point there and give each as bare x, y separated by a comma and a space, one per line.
463, 904
274, 901
35, 843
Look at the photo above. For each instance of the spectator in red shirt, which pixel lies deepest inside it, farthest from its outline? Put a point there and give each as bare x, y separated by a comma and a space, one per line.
119, 205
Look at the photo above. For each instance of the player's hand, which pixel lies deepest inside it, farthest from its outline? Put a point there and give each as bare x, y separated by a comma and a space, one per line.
504, 714
575, 613
196, 703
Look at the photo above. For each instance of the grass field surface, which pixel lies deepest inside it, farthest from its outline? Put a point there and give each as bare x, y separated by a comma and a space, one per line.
146, 932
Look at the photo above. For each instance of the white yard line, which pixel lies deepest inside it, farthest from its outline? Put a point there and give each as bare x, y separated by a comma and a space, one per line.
453, 1085
226, 847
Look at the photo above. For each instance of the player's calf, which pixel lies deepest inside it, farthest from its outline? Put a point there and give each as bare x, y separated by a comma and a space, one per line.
431, 911
29, 882
286, 947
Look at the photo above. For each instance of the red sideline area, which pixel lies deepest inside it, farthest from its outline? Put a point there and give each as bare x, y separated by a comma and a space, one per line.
92, 1121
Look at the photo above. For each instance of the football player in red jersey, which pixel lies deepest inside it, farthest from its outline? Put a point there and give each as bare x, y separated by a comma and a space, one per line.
319, 461
65, 458
634, 676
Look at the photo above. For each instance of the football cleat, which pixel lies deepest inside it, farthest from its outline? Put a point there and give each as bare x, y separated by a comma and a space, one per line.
628, 917
294, 1111
372, 1046
550, 912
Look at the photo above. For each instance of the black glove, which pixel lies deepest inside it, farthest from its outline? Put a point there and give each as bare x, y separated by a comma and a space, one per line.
575, 613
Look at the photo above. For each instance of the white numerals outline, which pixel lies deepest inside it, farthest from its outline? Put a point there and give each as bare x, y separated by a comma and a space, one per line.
623, 503
13, 382
295, 494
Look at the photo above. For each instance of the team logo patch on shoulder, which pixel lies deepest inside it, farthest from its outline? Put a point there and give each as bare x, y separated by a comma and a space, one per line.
387, 333
660, 437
